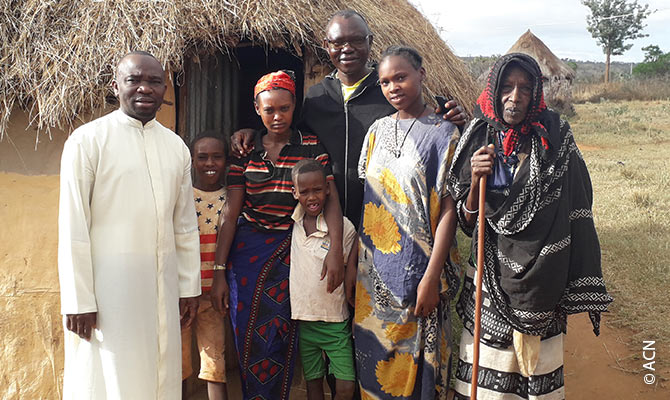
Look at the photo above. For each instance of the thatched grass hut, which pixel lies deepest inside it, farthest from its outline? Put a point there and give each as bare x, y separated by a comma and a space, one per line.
56, 63
58, 57
557, 75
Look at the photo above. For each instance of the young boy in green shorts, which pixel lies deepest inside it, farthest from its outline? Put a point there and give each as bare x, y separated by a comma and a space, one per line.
324, 317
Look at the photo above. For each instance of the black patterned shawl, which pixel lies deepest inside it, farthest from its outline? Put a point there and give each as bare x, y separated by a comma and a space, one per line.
542, 255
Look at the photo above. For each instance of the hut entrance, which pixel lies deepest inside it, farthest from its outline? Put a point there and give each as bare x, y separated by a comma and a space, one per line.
217, 89
216, 92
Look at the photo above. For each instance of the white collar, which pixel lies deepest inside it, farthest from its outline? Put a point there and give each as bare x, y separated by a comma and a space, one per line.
299, 215
136, 123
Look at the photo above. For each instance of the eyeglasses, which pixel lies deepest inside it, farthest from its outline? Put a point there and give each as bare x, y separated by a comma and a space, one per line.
356, 42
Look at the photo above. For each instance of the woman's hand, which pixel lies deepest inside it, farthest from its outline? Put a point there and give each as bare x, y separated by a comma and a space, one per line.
481, 163
427, 295
220, 292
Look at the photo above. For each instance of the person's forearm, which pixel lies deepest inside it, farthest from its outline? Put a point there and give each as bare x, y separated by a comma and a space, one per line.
481, 164
223, 244
352, 260
224, 241
75, 265
471, 203
231, 212
333, 216
444, 237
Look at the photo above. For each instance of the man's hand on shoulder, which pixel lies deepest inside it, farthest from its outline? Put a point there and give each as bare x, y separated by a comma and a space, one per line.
242, 142
81, 324
455, 113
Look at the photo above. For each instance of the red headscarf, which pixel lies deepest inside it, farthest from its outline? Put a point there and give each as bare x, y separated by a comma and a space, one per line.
275, 80
488, 107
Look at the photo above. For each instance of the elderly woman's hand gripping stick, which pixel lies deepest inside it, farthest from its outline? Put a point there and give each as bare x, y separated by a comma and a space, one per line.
481, 165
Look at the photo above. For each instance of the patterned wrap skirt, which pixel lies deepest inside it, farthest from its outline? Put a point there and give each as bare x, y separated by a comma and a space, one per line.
499, 376
398, 355
260, 311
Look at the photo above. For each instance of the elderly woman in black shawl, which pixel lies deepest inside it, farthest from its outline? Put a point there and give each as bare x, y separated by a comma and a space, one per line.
542, 257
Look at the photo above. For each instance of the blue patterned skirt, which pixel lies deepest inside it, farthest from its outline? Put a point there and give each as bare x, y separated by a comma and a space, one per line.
260, 311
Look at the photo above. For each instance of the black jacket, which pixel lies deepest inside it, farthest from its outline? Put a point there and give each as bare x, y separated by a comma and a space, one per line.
341, 128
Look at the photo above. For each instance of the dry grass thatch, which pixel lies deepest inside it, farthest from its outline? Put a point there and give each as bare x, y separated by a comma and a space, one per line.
549, 64
57, 57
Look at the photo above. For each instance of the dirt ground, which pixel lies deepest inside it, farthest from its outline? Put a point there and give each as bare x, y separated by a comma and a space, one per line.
609, 366
603, 367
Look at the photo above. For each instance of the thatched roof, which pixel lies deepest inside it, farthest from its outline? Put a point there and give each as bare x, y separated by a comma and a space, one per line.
57, 57
549, 64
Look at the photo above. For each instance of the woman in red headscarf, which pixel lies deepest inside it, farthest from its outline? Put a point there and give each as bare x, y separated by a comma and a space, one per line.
255, 241
542, 257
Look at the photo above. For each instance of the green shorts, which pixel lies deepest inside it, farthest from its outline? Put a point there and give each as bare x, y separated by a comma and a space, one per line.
333, 338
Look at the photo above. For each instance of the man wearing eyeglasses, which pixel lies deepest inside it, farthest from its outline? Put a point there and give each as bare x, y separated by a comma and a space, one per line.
340, 109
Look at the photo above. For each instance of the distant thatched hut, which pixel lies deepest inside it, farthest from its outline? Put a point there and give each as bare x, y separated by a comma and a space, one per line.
556, 74
56, 63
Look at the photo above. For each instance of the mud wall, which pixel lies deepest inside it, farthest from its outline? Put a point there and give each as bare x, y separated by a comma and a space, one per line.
31, 338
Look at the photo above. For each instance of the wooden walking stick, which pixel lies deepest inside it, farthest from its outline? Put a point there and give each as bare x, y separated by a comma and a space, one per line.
478, 292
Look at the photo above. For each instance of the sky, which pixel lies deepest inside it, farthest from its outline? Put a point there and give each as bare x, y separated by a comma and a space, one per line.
488, 27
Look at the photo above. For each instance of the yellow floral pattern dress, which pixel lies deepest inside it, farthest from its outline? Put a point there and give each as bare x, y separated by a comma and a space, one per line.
405, 167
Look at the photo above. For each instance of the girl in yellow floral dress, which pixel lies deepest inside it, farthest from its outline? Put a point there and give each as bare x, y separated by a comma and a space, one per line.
405, 270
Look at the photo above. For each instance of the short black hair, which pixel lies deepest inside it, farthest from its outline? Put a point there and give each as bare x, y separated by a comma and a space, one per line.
136, 53
305, 166
348, 13
210, 133
408, 53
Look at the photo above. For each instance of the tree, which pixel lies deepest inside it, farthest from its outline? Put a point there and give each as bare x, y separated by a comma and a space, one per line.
656, 63
612, 23
572, 65
653, 53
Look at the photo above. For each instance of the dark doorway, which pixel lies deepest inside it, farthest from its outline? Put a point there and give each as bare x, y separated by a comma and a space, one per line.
216, 91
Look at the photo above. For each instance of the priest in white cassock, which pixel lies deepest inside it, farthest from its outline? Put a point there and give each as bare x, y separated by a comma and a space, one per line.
128, 251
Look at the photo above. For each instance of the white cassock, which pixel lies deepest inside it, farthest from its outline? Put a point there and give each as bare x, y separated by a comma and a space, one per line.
128, 249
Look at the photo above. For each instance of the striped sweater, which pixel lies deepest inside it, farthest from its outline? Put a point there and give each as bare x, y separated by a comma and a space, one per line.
268, 201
